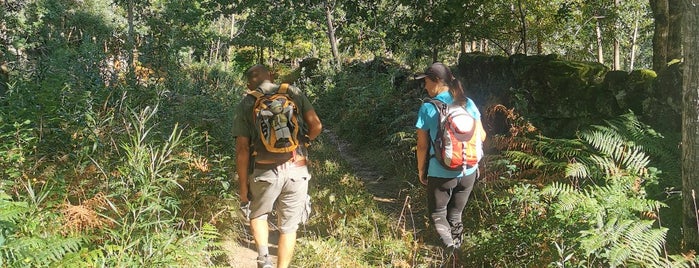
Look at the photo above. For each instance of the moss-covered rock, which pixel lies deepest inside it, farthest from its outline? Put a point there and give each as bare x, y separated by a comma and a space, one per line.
486, 79
560, 96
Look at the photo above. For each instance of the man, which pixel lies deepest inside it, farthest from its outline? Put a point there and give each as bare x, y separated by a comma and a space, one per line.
277, 178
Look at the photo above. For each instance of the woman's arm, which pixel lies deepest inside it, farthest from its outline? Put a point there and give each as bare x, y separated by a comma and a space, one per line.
423, 147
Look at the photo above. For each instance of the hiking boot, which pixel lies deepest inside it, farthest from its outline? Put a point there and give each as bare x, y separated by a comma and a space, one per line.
457, 234
458, 240
264, 262
447, 255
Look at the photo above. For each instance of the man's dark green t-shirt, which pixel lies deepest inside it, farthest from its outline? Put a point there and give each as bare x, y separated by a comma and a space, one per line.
243, 125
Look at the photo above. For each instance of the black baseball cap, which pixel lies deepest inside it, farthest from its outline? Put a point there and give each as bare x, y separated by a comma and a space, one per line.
436, 70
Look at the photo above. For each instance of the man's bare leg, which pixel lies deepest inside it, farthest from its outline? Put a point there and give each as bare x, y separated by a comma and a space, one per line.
286, 249
260, 231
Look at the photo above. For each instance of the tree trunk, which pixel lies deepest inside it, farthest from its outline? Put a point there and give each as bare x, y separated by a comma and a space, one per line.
331, 35
4, 76
218, 41
4, 71
462, 43
131, 46
660, 10
690, 126
523, 22
674, 38
600, 50
260, 54
435, 53
232, 26
270, 59
634, 40
484, 45
616, 64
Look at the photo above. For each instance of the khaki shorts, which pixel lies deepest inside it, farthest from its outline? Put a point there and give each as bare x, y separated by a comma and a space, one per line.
283, 188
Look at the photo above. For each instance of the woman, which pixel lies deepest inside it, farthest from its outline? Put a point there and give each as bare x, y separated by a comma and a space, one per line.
447, 190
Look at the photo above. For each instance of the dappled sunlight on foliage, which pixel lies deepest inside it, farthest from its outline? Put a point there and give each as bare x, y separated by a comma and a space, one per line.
116, 121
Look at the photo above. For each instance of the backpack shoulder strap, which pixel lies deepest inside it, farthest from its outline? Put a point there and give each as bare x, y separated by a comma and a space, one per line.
439, 105
283, 88
255, 93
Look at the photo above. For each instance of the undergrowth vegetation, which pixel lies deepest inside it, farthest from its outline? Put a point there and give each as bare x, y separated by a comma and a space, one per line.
596, 200
349, 229
138, 173
113, 175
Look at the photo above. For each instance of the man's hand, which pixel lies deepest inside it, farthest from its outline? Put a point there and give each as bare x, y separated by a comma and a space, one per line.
244, 194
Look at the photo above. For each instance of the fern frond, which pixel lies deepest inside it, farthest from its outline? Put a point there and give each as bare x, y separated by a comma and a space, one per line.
556, 188
507, 143
645, 244
527, 160
635, 134
634, 160
579, 201
209, 231
560, 149
605, 164
599, 238
607, 142
10, 211
577, 170
56, 247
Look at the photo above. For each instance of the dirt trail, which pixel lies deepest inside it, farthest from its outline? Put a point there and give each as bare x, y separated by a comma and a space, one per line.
243, 254
386, 192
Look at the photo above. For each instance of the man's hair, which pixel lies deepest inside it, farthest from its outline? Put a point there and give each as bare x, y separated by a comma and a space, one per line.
255, 71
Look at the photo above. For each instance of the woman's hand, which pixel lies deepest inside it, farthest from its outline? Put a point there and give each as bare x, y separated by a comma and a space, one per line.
423, 178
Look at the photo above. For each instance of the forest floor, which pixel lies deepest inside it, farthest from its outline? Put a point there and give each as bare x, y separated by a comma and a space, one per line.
242, 252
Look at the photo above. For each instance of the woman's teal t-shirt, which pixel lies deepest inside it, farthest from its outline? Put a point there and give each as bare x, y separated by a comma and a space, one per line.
427, 120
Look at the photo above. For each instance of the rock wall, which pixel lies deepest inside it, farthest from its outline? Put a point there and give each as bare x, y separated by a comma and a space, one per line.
559, 96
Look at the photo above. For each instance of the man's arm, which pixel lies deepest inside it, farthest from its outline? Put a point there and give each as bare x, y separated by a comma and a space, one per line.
314, 124
242, 161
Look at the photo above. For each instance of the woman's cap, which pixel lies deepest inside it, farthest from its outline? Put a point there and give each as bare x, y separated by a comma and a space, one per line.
436, 70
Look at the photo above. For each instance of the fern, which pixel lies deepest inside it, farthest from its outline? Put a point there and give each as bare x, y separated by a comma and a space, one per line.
24, 242
10, 211
615, 234
662, 148
577, 170
55, 248
623, 155
560, 149
627, 242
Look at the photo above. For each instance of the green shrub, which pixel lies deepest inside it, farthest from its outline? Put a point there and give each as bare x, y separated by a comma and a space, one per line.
596, 213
